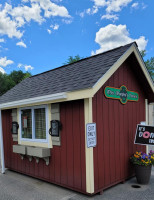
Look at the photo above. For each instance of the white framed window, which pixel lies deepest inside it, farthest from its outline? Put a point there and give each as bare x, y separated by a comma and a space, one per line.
34, 123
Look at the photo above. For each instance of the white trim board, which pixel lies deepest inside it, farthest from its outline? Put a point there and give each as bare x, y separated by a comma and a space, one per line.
1, 145
34, 100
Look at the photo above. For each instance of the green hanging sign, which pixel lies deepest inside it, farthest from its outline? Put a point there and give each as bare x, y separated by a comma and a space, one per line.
121, 93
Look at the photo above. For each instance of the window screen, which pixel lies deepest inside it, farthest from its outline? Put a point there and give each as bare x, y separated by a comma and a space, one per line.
40, 123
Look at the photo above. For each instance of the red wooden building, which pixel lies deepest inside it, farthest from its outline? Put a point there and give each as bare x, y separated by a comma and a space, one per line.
112, 89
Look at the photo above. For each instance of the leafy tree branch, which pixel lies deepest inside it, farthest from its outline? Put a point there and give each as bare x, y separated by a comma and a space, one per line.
8, 81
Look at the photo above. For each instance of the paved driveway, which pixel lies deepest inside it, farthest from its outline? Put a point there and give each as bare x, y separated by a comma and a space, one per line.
14, 186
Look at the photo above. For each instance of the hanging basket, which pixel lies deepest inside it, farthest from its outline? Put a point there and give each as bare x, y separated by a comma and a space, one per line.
143, 173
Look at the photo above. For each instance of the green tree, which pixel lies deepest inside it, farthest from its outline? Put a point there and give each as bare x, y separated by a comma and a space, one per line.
150, 66
149, 63
18, 76
72, 59
143, 53
7, 81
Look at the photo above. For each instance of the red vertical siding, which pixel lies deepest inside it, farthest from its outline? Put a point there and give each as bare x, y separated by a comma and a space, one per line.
116, 126
67, 162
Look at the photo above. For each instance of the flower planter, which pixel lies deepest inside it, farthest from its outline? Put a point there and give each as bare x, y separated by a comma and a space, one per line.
143, 173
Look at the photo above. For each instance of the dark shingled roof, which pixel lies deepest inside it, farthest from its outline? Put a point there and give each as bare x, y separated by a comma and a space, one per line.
76, 76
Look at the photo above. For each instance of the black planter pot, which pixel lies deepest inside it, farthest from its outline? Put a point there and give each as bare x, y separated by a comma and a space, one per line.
143, 173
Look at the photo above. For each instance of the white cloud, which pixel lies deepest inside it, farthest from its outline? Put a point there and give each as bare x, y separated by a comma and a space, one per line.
100, 3
139, 5
20, 65
67, 21
26, 13
89, 11
55, 27
110, 17
116, 5
144, 6
142, 42
110, 6
21, 44
26, 67
13, 18
4, 62
7, 25
57, 1
135, 5
49, 31
81, 14
112, 36
51, 9
25, 1
2, 70
2, 40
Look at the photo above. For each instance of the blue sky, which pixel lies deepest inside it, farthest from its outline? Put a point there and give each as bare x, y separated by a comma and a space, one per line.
39, 35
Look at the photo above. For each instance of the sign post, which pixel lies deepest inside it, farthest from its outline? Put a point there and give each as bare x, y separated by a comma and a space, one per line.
91, 134
144, 135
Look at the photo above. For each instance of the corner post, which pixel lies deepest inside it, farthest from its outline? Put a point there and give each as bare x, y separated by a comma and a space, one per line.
1, 144
89, 151
146, 118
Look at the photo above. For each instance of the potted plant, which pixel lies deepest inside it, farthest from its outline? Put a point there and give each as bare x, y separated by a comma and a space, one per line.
143, 164
151, 154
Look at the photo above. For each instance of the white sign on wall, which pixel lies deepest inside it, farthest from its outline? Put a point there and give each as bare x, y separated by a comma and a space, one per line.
91, 134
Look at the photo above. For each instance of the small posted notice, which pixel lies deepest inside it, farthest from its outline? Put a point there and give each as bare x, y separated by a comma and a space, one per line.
91, 135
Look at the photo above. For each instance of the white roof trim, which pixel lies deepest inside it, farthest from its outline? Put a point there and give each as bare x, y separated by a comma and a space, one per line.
34, 100
144, 69
118, 63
